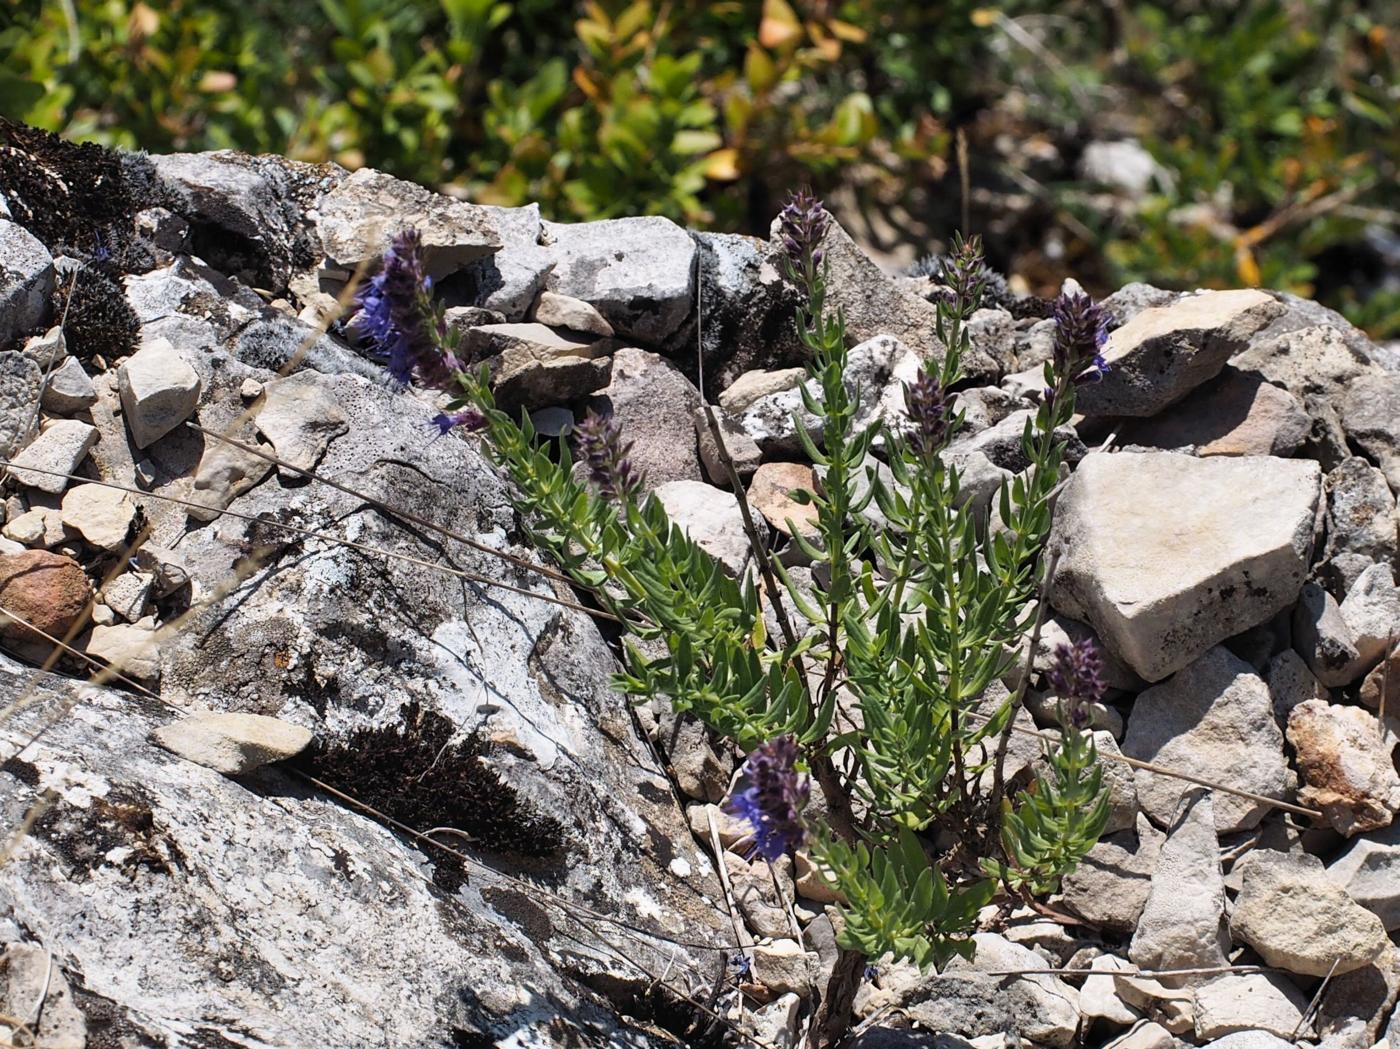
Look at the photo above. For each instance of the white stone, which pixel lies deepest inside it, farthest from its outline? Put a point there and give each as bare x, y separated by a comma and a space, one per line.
127, 594
1145, 1035
300, 417
1214, 719
565, 311
711, 518
101, 515
1248, 1001
48, 349
1182, 926
233, 743
1297, 919
753, 385
37, 987
61, 448
1165, 555
129, 648
1098, 998
1371, 611
159, 391
69, 389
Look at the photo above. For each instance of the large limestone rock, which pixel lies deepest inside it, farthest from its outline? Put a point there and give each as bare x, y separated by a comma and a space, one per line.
1164, 352
26, 281
1166, 555
1110, 887
639, 273
1297, 919
1213, 719
1182, 925
60, 449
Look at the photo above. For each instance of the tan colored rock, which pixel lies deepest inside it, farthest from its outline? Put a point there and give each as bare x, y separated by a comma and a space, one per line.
565, 311
42, 526
770, 493
1236, 413
1165, 555
129, 648
159, 391
233, 743
47, 590
1297, 919
785, 968
60, 449
1344, 758
753, 385
1163, 353
1248, 1002
101, 515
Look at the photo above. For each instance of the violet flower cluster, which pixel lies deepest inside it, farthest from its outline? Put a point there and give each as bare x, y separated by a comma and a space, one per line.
928, 412
964, 275
1081, 330
802, 224
601, 449
396, 316
1076, 676
773, 797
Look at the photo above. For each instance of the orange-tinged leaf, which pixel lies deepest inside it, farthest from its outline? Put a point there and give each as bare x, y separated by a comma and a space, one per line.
722, 165
1247, 267
585, 83
780, 24
852, 34
985, 16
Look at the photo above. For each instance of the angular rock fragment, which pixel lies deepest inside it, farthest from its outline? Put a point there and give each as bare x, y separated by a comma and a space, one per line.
1371, 611
771, 491
1110, 886
654, 406
565, 311
1344, 758
26, 281
1299, 920
69, 389
738, 447
1165, 555
1236, 413
1248, 1002
1322, 637
1182, 924
1214, 719
20, 384
1369, 870
60, 449
1362, 526
1313, 361
101, 515
299, 417
131, 649
232, 743
159, 391
1163, 353
533, 366
711, 518
639, 273
1370, 414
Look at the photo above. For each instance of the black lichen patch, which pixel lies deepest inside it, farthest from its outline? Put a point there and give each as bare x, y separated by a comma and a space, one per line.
109, 1026
97, 319
79, 199
523, 911
22, 771
425, 776
85, 837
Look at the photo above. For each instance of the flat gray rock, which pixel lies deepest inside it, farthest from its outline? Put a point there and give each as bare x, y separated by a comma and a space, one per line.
61, 448
1165, 352
1165, 555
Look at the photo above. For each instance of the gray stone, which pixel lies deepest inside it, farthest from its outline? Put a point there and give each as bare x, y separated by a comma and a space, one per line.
565, 311
1236, 413
1356, 1005
41, 526
1250, 1040
1213, 719
1290, 683
20, 384
712, 520
224, 473
1165, 555
746, 306
763, 895
1163, 353
1371, 611
755, 385
127, 594
1144, 1035
509, 280
1249, 1002
533, 366
101, 515
1098, 998
131, 649
1110, 886
1323, 639
992, 336
1041, 1008
48, 349
61, 448
69, 390
701, 770
299, 418
737, 445
639, 273
1369, 870
1124, 166
1361, 521
1344, 757
1062, 630
26, 281
1182, 924
1318, 360
38, 991
1296, 919
1370, 413
654, 406
159, 391
232, 743
360, 216
552, 422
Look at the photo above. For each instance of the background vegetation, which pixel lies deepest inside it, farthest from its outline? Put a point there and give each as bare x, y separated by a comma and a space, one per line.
1275, 124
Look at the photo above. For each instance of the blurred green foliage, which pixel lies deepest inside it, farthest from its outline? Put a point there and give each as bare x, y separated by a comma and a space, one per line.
1276, 119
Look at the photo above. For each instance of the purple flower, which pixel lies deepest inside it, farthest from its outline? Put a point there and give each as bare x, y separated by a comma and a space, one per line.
469, 418
601, 448
1076, 675
928, 411
396, 317
1081, 330
964, 275
803, 224
773, 797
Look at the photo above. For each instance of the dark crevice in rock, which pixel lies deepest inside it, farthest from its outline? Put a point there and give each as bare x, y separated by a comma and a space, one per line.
426, 776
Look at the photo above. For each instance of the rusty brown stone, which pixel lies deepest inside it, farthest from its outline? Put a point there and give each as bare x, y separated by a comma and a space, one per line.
45, 589
1344, 758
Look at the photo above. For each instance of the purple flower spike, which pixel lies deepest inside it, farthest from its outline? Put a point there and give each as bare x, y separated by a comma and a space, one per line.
803, 223
397, 319
1081, 330
773, 797
600, 446
468, 418
1076, 675
928, 411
